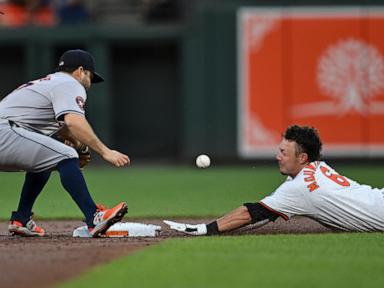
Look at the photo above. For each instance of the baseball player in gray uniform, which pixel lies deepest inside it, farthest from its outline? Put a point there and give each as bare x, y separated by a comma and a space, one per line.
30, 116
312, 189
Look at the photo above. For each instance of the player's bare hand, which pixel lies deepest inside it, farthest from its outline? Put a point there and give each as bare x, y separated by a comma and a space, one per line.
116, 158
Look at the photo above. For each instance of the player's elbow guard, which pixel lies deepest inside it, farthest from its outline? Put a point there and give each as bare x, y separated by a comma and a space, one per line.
258, 212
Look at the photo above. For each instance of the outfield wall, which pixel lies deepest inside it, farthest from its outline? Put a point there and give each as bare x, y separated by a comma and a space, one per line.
171, 90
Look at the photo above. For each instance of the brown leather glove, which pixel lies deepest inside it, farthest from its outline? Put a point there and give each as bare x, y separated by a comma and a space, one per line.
63, 135
84, 155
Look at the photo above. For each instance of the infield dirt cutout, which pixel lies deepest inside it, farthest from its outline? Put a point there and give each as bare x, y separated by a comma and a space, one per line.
57, 257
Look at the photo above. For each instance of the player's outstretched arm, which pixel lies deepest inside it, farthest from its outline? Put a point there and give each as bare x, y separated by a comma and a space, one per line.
82, 131
239, 218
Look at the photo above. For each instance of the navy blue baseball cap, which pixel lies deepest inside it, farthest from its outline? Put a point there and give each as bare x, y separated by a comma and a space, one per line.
77, 58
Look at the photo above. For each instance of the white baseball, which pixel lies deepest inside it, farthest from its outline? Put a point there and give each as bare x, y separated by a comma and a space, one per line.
203, 161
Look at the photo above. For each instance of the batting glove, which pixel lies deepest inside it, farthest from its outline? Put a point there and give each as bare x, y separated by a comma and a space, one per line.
198, 229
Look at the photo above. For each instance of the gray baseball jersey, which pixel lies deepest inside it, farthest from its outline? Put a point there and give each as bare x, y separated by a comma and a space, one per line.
319, 192
33, 112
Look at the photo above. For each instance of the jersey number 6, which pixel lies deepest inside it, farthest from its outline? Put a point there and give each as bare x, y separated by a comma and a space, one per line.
341, 180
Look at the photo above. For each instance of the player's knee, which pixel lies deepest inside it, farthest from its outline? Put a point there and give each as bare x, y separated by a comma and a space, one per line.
51, 157
67, 153
70, 153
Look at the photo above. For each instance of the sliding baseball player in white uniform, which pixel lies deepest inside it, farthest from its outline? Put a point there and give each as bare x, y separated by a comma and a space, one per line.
312, 189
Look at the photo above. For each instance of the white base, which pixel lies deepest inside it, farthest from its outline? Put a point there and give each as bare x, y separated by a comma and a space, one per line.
123, 229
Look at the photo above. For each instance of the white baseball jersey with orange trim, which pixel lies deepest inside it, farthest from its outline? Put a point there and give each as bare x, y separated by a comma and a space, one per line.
320, 193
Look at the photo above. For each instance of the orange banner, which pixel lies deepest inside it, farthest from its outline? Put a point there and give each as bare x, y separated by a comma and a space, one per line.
321, 67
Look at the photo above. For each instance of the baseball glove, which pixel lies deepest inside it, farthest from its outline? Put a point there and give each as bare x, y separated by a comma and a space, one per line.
63, 135
84, 155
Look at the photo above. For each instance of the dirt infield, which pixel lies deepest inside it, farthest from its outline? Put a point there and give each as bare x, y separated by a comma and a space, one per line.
43, 262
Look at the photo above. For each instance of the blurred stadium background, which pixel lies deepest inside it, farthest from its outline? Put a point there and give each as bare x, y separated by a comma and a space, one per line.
185, 77
172, 85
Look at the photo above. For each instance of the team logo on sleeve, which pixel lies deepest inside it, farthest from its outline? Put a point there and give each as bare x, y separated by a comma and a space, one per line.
80, 101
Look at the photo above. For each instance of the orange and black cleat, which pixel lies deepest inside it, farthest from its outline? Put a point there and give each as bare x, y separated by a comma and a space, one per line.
105, 218
16, 228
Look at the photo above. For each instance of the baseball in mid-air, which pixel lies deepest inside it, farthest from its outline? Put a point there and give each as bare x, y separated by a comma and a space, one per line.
203, 161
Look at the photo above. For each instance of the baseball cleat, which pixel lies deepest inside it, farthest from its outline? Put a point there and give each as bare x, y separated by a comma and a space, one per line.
105, 218
16, 228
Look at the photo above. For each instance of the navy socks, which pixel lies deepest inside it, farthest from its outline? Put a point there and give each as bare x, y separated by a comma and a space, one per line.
73, 181
33, 184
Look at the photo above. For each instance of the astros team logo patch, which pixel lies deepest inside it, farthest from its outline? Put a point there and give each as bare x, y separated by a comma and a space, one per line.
80, 101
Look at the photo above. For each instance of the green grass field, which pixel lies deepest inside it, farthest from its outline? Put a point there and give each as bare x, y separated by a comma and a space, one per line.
325, 260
